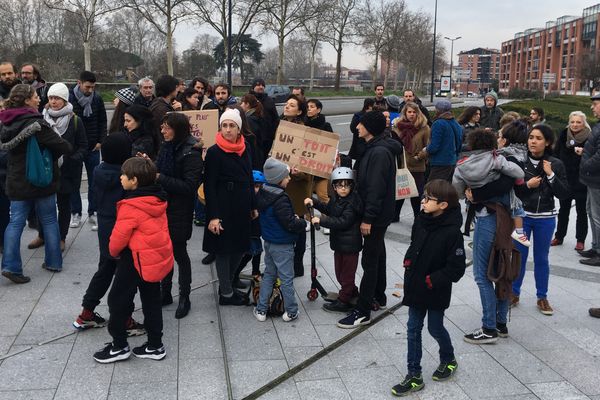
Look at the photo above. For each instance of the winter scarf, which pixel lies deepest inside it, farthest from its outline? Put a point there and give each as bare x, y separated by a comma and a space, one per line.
238, 147
58, 119
165, 161
577, 139
407, 132
84, 101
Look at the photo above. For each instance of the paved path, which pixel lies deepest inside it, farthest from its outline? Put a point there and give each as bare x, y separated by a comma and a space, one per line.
220, 353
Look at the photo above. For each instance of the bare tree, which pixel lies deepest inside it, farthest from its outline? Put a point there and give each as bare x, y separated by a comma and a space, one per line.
336, 32
587, 68
89, 12
283, 17
164, 15
313, 29
205, 43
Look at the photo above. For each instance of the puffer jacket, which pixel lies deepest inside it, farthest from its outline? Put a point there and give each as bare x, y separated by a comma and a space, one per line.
376, 180
446, 141
540, 200
108, 191
278, 223
142, 227
435, 259
589, 167
19, 124
143, 142
342, 216
95, 124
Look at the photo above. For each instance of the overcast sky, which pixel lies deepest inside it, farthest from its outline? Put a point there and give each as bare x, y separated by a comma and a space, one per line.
481, 23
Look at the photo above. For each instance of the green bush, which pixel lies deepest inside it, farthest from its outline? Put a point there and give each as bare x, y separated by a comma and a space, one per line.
518, 93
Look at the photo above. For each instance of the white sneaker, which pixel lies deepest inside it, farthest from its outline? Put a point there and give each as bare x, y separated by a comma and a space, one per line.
261, 316
289, 317
93, 221
75, 221
326, 231
521, 238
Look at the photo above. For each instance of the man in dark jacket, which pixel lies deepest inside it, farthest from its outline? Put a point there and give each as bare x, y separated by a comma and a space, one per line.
376, 188
166, 91
223, 98
589, 175
380, 102
409, 95
89, 107
270, 115
8, 79
30, 74
146, 94
490, 112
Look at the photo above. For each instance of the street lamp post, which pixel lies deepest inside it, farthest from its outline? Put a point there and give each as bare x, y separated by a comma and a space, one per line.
451, 57
433, 53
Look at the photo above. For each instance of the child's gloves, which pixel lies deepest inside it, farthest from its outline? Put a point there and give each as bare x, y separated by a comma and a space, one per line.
428, 282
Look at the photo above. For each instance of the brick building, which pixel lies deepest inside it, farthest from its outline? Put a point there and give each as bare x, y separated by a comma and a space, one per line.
556, 48
483, 65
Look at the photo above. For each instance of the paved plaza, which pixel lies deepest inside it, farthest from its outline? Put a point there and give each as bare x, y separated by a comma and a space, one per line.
224, 352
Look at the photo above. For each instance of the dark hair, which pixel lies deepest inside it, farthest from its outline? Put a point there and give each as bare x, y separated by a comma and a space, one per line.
18, 95
143, 116
87, 76
370, 102
480, 139
165, 85
379, 84
183, 98
298, 87
180, 123
36, 70
116, 123
9, 63
467, 114
516, 132
141, 168
225, 86
301, 105
442, 190
410, 90
253, 103
245, 128
317, 103
539, 111
196, 80
548, 135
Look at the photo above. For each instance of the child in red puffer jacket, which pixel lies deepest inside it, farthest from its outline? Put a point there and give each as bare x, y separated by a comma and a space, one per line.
141, 242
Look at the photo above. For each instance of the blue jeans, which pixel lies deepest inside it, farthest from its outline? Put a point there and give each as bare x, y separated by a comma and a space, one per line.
279, 260
494, 310
435, 326
593, 211
92, 159
542, 229
199, 211
45, 209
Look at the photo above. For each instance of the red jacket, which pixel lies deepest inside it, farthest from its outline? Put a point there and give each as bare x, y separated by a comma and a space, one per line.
142, 226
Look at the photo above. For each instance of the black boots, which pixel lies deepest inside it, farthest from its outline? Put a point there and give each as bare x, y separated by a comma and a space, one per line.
184, 306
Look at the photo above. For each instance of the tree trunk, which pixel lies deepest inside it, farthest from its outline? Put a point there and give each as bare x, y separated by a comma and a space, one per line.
338, 68
387, 74
374, 71
312, 66
87, 57
169, 48
281, 41
397, 74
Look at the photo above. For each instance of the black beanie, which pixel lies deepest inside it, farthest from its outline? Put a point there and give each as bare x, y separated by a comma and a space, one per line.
116, 148
257, 81
375, 122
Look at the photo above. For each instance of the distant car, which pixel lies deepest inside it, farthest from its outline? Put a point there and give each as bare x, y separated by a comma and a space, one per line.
471, 94
279, 93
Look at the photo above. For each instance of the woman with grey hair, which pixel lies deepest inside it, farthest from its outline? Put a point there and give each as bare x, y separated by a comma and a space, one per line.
568, 149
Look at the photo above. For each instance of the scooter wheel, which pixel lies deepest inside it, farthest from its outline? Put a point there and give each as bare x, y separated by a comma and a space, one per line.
312, 294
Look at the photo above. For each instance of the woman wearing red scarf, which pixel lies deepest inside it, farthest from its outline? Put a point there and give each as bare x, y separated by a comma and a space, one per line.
412, 130
229, 191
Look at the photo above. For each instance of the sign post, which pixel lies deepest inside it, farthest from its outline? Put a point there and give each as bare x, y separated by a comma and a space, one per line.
446, 84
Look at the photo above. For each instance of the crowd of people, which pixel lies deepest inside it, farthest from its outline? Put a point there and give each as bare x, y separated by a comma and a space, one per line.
150, 180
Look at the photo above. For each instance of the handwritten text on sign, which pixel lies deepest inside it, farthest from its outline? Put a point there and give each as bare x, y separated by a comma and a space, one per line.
204, 124
310, 150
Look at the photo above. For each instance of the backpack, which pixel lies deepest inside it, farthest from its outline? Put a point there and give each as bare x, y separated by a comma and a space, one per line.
275, 304
38, 164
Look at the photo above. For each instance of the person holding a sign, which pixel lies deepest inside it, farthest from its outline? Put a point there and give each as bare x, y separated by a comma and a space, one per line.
229, 192
376, 187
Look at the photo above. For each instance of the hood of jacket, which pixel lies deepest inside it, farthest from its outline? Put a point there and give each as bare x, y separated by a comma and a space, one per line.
21, 129
383, 140
267, 196
315, 122
9, 115
477, 166
516, 150
107, 176
445, 115
151, 199
450, 218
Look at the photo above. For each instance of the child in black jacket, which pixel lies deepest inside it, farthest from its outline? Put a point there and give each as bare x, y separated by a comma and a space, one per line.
343, 216
435, 259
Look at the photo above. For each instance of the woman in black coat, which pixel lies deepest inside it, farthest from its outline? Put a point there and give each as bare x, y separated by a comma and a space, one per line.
572, 137
59, 115
229, 191
140, 125
179, 164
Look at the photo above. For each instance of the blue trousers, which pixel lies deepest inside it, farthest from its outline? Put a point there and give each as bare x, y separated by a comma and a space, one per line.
435, 326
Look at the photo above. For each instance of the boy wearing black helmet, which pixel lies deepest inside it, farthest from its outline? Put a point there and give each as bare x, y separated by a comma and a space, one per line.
343, 216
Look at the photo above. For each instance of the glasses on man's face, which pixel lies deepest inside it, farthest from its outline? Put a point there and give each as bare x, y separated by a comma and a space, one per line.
342, 185
427, 198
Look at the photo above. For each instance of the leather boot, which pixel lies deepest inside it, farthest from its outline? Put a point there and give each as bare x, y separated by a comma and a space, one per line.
184, 306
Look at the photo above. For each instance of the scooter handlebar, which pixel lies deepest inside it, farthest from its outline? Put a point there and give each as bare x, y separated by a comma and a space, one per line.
311, 212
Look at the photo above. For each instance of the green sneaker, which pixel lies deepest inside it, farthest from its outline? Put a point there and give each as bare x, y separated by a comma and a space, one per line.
411, 383
445, 371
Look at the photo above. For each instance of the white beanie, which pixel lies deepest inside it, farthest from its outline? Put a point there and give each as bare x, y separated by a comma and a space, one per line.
59, 90
231, 114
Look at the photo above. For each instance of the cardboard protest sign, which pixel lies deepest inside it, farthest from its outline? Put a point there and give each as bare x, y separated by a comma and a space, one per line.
205, 125
308, 149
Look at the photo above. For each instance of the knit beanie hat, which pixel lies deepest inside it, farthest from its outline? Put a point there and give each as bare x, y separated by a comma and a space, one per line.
59, 89
116, 148
393, 101
492, 94
233, 115
375, 122
126, 95
443, 106
275, 171
257, 81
